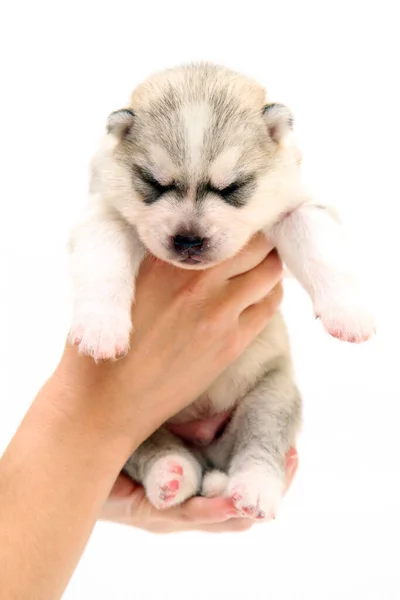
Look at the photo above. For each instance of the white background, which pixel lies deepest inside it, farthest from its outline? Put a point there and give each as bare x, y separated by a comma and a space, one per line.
64, 66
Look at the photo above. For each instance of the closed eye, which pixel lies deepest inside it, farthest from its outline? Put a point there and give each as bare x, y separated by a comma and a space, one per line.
227, 191
236, 192
231, 189
150, 180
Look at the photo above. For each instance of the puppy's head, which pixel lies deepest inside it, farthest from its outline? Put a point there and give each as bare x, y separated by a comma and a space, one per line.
198, 162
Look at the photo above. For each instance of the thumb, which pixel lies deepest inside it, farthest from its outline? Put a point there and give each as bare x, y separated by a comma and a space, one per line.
124, 495
122, 488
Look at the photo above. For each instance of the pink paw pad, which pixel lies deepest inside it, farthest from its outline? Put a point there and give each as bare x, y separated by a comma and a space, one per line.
120, 350
99, 345
236, 497
176, 469
250, 510
169, 489
117, 352
171, 479
341, 335
337, 333
76, 336
355, 330
253, 512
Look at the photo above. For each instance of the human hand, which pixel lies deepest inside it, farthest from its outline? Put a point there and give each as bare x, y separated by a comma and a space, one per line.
127, 504
189, 326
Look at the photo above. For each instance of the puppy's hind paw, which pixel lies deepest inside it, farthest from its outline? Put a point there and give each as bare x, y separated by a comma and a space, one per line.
171, 480
255, 494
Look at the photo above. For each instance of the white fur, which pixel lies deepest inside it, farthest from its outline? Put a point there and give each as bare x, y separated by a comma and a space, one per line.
165, 169
312, 244
105, 257
223, 168
196, 118
171, 479
256, 494
108, 245
214, 484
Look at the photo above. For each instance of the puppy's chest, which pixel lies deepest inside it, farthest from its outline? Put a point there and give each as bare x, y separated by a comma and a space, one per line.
241, 377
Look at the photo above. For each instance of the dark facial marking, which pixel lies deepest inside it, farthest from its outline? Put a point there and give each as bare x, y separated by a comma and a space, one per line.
147, 185
235, 194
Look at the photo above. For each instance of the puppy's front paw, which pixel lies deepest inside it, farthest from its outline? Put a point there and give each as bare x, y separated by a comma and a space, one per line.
256, 494
101, 335
171, 480
345, 317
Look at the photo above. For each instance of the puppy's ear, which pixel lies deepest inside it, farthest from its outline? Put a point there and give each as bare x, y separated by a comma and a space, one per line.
120, 122
279, 120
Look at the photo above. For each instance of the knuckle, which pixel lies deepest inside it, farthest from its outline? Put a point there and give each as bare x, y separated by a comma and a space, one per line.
209, 326
194, 288
272, 301
192, 510
276, 296
260, 244
275, 265
187, 516
279, 292
214, 321
233, 345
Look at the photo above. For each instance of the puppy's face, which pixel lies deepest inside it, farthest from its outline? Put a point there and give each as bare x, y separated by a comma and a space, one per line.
198, 164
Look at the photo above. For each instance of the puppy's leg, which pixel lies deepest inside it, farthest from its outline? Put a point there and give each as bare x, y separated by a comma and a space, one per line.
260, 434
309, 241
169, 472
105, 257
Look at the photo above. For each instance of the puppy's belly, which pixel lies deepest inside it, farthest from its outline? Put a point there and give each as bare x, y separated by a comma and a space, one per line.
201, 432
202, 421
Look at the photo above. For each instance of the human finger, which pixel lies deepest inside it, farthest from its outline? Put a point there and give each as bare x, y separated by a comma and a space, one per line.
229, 526
254, 286
123, 487
203, 511
248, 258
254, 318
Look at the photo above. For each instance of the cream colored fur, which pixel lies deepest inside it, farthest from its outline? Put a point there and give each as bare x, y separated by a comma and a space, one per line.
198, 129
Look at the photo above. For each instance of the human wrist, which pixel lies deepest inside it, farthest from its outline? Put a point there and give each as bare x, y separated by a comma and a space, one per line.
94, 402
122, 398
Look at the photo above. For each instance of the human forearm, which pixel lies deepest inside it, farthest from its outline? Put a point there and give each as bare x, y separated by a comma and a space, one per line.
87, 420
54, 479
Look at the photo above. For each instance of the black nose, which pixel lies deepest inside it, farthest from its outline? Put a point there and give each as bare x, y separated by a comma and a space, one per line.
183, 243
